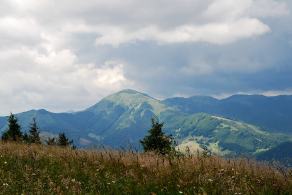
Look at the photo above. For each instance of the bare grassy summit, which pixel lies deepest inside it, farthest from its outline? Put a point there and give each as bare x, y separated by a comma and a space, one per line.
32, 169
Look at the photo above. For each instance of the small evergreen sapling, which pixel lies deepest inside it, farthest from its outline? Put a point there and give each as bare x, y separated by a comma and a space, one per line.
34, 133
64, 141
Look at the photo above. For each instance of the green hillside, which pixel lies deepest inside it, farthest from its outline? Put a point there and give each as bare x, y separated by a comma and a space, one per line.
271, 113
222, 136
123, 118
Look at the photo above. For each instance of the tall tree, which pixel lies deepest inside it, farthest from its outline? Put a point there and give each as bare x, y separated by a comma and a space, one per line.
13, 133
156, 140
34, 133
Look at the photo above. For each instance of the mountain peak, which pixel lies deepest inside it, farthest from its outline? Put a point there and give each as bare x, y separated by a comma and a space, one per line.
128, 91
131, 92
130, 98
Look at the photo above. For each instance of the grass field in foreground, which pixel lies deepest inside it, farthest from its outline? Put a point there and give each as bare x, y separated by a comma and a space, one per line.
31, 169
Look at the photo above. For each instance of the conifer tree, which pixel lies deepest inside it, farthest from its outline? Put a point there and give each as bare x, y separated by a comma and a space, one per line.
64, 141
34, 133
13, 132
156, 140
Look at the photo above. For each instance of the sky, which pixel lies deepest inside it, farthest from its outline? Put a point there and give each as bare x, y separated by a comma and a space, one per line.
67, 55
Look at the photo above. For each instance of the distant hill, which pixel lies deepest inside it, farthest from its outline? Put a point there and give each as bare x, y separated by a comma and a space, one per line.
222, 136
281, 153
271, 113
123, 118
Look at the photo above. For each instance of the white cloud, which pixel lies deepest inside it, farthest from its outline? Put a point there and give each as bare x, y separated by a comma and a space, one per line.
216, 33
40, 67
227, 10
54, 80
175, 21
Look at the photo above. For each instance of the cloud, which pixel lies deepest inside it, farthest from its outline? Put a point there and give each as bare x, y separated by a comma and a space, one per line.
33, 79
215, 33
165, 22
269, 8
161, 21
219, 22
68, 54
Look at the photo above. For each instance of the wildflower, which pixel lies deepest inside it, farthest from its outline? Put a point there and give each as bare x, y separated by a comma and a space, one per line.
5, 162
73, 180
180, 192
5, 184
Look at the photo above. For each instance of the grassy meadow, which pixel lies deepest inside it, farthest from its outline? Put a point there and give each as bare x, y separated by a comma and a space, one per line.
33, 169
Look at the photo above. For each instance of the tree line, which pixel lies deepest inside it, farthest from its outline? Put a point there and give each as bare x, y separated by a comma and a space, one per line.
13, 133
156, 140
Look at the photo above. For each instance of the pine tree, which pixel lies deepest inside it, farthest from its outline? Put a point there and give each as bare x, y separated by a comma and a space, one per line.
13, 132
34, 133
157, 141
64, 141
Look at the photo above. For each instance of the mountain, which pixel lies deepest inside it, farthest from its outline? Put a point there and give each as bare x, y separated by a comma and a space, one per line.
271, 113
117, 120
123, 118
281, 153
223, 136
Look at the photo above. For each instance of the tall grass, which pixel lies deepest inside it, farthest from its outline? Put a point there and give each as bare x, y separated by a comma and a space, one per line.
32, 169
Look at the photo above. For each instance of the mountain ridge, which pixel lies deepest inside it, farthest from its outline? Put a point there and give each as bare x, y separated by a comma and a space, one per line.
123, 118
271, 113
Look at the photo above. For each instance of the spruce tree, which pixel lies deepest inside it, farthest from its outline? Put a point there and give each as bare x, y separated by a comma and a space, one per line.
64, 141
34, 133
13, 132
156, 140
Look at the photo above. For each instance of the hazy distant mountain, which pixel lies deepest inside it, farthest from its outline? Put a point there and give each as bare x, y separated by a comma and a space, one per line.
123, 118
281, 153
271, 113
